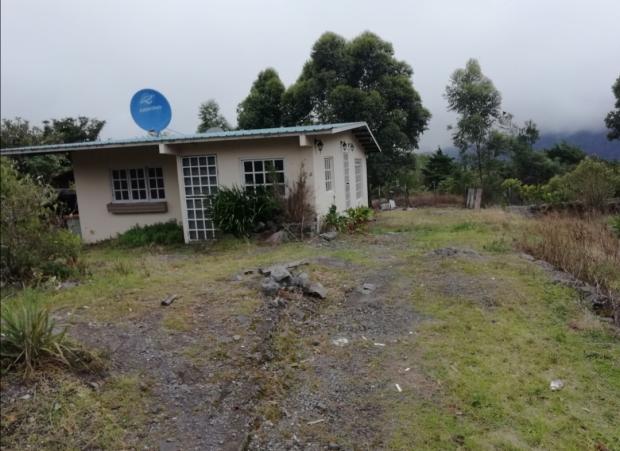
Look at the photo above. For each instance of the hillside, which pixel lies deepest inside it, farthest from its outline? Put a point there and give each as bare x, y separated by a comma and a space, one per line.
592, 142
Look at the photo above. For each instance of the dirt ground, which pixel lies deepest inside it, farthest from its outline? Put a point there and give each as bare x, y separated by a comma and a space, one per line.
226, 368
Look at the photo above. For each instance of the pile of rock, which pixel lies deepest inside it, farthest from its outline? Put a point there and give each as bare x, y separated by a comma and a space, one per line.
278, 277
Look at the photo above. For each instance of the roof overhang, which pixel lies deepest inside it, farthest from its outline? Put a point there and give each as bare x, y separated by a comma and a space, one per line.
360, 130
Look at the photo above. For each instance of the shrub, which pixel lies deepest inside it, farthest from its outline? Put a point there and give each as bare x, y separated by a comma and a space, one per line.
28, 338
297, 205
162, 233
236, 210
351, 221
30, 244
591, 182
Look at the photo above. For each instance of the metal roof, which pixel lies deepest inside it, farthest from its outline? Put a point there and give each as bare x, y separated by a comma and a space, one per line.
360, 130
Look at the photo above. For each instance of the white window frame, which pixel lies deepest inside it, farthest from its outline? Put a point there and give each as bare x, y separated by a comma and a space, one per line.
328, 165
147, 184
263, 172
359, 190
194, 202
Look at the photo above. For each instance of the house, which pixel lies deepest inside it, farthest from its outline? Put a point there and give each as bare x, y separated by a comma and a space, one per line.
121, 183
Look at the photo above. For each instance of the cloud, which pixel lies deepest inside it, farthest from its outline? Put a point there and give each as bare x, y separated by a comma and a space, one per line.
553, 61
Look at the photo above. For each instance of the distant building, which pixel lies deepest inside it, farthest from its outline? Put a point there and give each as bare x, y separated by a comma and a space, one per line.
122, 183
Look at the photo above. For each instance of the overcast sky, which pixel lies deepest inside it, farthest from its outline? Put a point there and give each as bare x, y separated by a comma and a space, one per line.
553, 61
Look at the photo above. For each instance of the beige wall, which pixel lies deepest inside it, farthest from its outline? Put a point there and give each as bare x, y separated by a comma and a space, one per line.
331, 148
94, 189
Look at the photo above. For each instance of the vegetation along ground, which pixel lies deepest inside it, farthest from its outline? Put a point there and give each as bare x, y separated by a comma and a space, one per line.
452, 344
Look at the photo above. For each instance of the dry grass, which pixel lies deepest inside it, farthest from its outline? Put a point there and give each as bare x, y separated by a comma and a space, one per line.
436, 200
584, 247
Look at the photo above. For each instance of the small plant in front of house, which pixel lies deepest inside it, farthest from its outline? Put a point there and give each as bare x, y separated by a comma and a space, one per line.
161, 233
29, 339
237, 210
351, 221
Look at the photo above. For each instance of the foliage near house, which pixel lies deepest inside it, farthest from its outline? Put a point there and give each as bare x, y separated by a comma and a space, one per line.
163, 233
262, 108
31, 245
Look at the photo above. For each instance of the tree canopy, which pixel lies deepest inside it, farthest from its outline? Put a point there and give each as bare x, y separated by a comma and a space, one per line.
18, 132
361, 80
612, 121
210, 117
477, 102
262, 108
438, 168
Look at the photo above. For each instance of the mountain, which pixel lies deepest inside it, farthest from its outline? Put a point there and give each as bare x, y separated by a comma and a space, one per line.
592, 142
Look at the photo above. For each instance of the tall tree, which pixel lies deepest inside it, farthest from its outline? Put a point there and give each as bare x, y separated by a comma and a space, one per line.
19, 133
438, 168
612, 121
475, 99
210, 117
262, 108
361, 80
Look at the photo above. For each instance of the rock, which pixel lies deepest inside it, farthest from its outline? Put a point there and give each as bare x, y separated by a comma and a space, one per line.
316, 289
26, 397
340, 341
367, 288
278, 303
276, 238
556, 384
279, 273
236, 337
301, 280
334, 446
269, 286
67, 284
329, 236
453, 251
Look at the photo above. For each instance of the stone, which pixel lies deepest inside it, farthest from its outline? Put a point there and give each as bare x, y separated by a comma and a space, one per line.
316, 289
279, 273
367, 288
301, 280
556, 384
340, 341
276, 238
329, 236
269, 286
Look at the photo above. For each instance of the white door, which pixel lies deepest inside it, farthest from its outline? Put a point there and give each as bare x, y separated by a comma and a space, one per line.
199, 182
347, 180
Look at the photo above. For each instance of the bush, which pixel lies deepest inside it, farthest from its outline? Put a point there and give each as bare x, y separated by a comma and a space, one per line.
162, 233
30, 244
297, 205
591, 182
236, 210
28, 339
615, 224
351, 221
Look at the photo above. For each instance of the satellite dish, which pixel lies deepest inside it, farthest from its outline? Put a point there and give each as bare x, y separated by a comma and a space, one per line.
150, 110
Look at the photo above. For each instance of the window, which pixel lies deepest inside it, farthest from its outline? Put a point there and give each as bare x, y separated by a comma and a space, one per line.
133, 185
264, 173
358, 178
347, 180
329, 173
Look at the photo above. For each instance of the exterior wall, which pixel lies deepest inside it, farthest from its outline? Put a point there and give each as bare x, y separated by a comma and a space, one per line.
331, 148
94, 190
94, 186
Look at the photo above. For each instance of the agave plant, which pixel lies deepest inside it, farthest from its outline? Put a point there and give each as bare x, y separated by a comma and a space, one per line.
28, 337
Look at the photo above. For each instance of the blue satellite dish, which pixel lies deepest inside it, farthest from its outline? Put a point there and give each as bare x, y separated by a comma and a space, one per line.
150, 110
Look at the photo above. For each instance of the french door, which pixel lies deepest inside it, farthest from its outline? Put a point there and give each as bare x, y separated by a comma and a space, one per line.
199, 183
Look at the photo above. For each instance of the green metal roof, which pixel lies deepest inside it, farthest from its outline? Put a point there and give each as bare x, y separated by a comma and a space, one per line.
360, 129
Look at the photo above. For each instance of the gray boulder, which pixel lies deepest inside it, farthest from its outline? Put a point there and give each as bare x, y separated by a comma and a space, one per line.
316, 289
278, 273
329, 236
269, 286
301, 280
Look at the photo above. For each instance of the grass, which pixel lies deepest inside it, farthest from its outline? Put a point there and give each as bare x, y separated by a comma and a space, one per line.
481, 365
584, 247
66, 413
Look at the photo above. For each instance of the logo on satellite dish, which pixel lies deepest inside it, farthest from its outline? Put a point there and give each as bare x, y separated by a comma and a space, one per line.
150, 110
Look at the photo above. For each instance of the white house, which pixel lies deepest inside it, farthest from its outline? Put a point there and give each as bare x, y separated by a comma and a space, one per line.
121, 183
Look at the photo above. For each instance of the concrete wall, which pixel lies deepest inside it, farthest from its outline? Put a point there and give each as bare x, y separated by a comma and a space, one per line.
94, 189
332, 148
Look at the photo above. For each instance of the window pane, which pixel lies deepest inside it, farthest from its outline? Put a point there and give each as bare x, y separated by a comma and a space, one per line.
259, 180
279, 165
247, 166
258, 165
